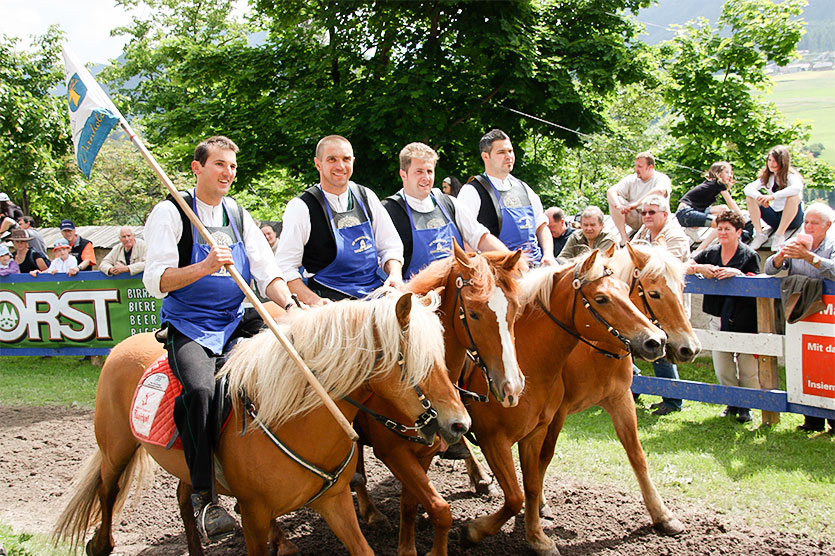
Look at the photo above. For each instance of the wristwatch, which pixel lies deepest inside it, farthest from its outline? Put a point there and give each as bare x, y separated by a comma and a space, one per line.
816, 260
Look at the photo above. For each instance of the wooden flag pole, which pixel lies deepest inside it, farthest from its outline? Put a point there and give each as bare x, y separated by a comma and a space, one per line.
268, 319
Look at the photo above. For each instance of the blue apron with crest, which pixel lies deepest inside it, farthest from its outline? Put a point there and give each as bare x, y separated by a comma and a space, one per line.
210, 309
518, 227
430, 244
353, 271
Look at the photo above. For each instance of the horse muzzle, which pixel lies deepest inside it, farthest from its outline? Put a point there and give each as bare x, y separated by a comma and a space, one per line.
650, 346
683, 350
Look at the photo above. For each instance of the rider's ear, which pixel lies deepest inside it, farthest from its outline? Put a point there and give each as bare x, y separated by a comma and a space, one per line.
403, 309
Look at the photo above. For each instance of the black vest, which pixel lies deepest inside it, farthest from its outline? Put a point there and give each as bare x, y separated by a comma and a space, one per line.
76, 250
187, 239
396, 207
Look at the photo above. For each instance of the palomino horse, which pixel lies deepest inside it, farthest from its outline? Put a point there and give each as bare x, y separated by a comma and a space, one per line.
478, 310
388, 346
656, 287
579, 302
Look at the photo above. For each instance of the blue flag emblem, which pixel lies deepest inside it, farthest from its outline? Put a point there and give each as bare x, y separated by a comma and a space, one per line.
76, 91
95, 131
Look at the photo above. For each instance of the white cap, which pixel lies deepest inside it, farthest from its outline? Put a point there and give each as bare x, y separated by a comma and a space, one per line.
4, 197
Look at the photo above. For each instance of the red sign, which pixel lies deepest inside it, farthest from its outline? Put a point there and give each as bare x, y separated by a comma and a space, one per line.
827, 316
819, 365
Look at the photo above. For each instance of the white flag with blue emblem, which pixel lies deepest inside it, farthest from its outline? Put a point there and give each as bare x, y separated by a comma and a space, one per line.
92, 114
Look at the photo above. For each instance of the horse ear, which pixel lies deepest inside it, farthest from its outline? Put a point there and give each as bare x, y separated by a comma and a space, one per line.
440, 290
588, 263
638, 258
403, 309
610, 252
511, 260
460, 254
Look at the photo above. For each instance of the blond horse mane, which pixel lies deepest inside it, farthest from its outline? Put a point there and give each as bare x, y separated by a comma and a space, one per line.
345, 344
661, 264
539, 282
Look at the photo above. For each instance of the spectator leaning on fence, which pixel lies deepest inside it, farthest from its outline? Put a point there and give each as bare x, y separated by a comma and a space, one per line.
7, 264
27, 258
80, 248
809, 256
729, 258
63, 261
128, 256
775, 198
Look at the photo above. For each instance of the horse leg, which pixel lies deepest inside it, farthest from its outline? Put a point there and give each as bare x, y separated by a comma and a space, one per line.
279, 543
195, 546
338, 511
530, 449
500, 458
546, 454
365, 504
408, 514
257, 526
622, 411
115, 461
417, 488
480, 480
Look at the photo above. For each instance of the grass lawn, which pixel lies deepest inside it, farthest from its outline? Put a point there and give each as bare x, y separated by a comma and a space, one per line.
809, 96
48, 380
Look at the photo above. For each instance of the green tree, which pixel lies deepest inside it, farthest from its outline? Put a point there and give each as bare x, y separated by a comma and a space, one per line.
36, 164
382, 73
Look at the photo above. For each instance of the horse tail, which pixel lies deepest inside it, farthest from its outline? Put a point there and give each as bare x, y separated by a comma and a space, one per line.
84, 508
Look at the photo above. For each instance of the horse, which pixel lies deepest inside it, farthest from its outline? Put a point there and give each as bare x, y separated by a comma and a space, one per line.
478, 309
656, 281
388, 346
581, 302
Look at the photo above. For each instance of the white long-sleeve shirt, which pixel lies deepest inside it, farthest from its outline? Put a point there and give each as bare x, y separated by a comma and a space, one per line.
793, 187
163, 231
468, 196
295, 232
471, 229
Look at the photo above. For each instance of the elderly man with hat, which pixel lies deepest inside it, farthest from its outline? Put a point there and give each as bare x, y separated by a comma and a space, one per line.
27, 258
80, 248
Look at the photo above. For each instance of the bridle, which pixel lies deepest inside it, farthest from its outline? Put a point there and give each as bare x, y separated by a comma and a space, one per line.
578, 284
472, 350
636, 284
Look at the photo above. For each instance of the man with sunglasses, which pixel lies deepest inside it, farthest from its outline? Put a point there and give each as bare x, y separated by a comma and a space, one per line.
657, 224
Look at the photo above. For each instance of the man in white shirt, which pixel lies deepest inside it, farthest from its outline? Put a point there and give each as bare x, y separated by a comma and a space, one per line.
202, 307
628, 194
507, 206
427, 220
338, 232
128, 256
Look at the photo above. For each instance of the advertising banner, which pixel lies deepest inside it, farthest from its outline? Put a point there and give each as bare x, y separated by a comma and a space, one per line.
85, 314
810, 356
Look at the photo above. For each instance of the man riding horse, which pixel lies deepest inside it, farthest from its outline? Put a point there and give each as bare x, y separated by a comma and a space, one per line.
202, 310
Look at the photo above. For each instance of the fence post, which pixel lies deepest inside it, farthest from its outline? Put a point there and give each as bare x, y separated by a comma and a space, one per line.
769, 379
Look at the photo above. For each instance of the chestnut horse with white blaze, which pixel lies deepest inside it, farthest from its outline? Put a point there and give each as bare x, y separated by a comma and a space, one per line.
390, 347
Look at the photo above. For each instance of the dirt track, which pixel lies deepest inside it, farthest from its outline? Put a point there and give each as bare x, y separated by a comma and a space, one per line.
43, 447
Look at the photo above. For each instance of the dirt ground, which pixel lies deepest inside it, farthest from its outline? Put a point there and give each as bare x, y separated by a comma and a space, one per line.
41, 448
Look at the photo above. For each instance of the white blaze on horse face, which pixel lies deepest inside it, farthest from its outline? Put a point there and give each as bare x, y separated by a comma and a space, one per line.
676, 288
498, 304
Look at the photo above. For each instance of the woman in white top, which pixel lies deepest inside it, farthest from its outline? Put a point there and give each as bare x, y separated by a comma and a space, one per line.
775, 198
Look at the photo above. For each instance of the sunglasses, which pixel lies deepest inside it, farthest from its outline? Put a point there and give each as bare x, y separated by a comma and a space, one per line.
648, 212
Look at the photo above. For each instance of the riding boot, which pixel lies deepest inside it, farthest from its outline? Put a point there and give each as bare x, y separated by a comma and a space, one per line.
213, 522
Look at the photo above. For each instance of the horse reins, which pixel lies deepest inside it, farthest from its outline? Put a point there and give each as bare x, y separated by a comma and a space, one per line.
472, 350
636, 283
578, 284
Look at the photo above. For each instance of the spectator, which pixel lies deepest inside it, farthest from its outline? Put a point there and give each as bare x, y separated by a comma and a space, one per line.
451, 186
269, 233
9, 213
815, 259
28, 223
629, 193
695, 210
80, 248
128, 256
655, 212
559, 230
7, 264
26, 258
731, 257
62, 261
775, 198
507, 206
589, 236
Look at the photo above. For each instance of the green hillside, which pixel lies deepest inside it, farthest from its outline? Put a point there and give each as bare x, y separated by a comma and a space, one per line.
810, 96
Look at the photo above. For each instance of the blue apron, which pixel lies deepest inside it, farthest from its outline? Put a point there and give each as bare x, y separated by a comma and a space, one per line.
430, 244
518, 227
210, 309
353, 271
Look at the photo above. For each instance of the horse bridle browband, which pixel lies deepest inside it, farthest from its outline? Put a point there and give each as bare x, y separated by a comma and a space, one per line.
578, 289
472, 350
636, 283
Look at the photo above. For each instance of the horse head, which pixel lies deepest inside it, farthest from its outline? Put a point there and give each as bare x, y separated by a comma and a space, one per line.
656, 287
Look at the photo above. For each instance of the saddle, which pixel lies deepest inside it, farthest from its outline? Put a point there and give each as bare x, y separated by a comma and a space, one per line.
152, 409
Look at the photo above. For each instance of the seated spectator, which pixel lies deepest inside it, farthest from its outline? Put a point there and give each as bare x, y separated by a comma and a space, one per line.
28, 223
813, 256
590, 235
269, 233
7, 264
628, 194
451, 186
62, 261
775, 198
560, 231
731, 257
695, 210
657, 227
128, 256
80, 248
9, 213
27, 259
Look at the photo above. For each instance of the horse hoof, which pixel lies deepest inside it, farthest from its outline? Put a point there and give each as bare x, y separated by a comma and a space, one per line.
546, 512
670, 527
287, 548
488, 489
466, 538
88, 549
378, 519
548, 551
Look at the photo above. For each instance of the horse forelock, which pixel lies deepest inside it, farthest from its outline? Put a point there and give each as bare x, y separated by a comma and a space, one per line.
537, 283
344, 344
434, 275
661, 264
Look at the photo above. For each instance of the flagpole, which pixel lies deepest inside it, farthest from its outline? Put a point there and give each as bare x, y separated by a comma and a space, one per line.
248, 293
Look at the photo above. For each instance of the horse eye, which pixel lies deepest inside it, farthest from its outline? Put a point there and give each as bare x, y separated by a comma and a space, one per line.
654, 294
601, 299
473, 315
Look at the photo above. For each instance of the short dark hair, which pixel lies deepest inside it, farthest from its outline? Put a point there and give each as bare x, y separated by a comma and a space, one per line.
201, 152
29, 220
330, 139
731, 217
486, 143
